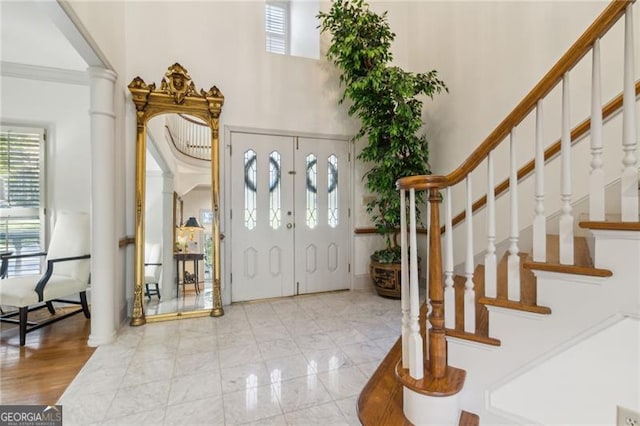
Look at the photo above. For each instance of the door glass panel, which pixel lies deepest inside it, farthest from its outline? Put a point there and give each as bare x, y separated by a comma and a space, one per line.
312, 191
332, 191
274, 190
250, 185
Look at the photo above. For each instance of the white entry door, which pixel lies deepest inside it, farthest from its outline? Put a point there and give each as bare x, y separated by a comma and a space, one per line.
290, 215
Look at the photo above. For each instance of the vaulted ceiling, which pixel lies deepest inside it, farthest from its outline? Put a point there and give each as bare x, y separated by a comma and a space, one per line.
29, 36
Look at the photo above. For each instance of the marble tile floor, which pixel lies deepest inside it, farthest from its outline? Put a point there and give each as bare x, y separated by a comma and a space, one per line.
295, 361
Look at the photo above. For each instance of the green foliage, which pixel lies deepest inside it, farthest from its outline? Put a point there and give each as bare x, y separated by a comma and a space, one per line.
386, 100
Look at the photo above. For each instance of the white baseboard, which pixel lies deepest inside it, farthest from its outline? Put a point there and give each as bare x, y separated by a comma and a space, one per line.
362, 282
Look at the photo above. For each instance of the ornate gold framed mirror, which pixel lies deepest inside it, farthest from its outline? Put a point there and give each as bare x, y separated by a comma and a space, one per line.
177, 95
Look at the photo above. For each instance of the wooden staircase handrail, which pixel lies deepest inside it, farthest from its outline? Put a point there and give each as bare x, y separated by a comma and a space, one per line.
610, 108
576, 52
191, 120
175, 145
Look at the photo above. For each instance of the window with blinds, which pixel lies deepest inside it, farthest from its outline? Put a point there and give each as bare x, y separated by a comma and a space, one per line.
276, 19
21, 191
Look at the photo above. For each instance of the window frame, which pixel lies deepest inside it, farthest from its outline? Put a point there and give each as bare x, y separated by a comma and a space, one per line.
285, 35
6, 213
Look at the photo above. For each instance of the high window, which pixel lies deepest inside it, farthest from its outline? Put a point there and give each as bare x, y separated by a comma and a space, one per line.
276, 20
291, 27
22, 196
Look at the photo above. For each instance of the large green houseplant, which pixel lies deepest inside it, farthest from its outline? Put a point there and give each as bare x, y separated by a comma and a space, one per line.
386, 100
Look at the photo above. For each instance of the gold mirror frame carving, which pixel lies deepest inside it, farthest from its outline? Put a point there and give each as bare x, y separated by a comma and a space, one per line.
177, 94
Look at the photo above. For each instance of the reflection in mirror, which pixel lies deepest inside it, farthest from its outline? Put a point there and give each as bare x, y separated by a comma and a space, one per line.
179, 125
184, 284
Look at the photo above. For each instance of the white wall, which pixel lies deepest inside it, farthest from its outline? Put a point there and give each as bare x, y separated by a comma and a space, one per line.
581, 392
63, 110
489, 53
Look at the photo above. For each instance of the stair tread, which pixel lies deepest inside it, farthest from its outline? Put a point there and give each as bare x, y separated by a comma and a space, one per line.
460, 334
610, 225
582, 265
468, 419
519, 306
380, 402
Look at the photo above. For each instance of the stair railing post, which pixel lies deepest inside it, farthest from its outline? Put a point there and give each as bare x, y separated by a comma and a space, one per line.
469, 291
629, 180
566, 218
404, 277
513, 261
596, 177
449, 292
416, 356
539, 221
437, 337
490, 263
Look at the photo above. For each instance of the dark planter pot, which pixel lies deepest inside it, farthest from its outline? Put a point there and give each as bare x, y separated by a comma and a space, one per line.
387, 278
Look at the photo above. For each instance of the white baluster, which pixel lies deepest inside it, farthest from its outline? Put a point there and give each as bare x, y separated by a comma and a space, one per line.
416, 360
513, 261
490, 262
539, 221
629, 180
404, 276
566, 217
449, 292
596, 177
469, 292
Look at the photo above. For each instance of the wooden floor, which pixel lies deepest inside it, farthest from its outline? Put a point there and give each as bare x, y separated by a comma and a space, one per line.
40, 371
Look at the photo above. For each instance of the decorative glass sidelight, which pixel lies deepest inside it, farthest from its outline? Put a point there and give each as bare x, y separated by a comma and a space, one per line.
250, 185
332, 191
312, 191
274, 190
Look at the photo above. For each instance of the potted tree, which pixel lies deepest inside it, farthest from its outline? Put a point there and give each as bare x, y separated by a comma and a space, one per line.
386, 100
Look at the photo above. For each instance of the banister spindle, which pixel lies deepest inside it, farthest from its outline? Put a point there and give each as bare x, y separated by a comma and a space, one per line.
416, 358
629, 180
539, 221
596, 177
404, 278
513, 261
437, 336
469, 292
449, 292
490, 263
566, 217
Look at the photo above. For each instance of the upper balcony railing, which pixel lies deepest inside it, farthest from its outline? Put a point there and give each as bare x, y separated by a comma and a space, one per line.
189, 135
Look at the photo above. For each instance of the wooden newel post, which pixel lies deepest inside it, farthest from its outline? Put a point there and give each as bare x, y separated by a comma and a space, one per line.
437, 337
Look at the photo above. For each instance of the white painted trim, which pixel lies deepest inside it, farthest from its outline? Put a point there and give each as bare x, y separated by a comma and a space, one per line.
517, 420
274, 132
568, 344
516, 313
609, 234
361, 282
225, 189
65, 18
581, 279
472, 344
42, 73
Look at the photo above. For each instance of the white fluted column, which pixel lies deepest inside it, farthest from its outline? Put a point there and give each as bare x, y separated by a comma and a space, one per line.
168, 290
104, 242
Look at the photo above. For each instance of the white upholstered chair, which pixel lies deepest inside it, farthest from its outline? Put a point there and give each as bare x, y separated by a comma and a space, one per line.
152, 269
67, 273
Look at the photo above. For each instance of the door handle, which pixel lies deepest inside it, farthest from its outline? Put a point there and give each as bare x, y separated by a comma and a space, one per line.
289, 225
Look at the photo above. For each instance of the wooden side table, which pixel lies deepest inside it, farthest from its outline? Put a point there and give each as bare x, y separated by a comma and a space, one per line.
187, 278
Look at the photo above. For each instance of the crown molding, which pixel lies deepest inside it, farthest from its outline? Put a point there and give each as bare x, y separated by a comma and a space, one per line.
42, 73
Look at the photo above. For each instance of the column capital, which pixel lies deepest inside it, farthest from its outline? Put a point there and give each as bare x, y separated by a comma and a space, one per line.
103, 73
